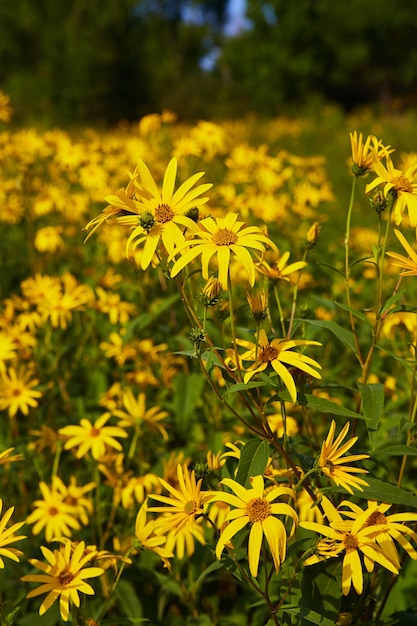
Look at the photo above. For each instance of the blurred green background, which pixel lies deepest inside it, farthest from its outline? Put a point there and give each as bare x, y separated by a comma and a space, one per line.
99, 61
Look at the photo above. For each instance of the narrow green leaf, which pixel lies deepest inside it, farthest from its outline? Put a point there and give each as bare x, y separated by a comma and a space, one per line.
386, 492
243, 387
392, 300
142, 321
345, 336
188, 389
373, 398
253, 460
355, 313
331, 267
307, 614
396, 451
326, 406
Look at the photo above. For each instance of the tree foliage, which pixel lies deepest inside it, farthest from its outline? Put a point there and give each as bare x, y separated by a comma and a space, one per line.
349, 52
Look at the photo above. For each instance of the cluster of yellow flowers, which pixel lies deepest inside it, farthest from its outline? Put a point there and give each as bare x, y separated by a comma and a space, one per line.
123, 391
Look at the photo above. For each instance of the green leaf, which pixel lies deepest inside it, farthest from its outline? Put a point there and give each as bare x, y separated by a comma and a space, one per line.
386, 492
392, 300
356, 313
320, 588
306, 614
395, 451
188, 389
243, 387
127, 599
142, 321
326, 406
331, 267
373, 398
345, 336
253, 460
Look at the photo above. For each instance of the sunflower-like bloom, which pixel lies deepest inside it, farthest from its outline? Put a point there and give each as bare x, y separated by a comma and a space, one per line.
121, 204
185, 505
402, 185
161, 213
146, 537
280, 270
8, 536
332, 463
363, 153
17, 391
183, 540
279, 354
387, 527
59, 518
95, 437
63, 577
410, 264
257, 508
222, 236
136, 414
351, 538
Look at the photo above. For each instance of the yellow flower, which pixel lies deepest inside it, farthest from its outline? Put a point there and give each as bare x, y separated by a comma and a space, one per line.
387, 527
59, 518
136, 414
7, 349
183, 541
6, 457
48, 239
121, 204
332, 462
137, 487
92, 437
5, 108
147, 539
258, 305
402, 185
74, 495
63, 577
7, 536
185, 505
363, 153
351, 538
222, 236
160, 214
17, 391
257, 508
280, 270
409, 265
278, 354
111, 303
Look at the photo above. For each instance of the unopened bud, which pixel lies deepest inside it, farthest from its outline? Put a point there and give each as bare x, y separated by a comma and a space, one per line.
211, 292
378, 201
258, 304
312, 235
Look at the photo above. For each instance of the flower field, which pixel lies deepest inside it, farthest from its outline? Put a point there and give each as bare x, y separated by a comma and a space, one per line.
208, 346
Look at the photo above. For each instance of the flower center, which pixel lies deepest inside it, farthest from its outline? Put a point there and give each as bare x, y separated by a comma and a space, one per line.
16, 393
268, 353
401, 183
164, 213
350, 542
65, 577
258, 509
191, 507
224, 237
94, 432
376, 518
52, 511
